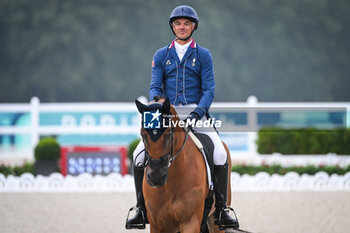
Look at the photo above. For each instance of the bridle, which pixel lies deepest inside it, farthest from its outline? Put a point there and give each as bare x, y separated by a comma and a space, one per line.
156, 170
168, 158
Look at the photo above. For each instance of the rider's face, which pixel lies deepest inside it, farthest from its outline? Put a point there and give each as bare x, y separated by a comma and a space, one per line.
183, 28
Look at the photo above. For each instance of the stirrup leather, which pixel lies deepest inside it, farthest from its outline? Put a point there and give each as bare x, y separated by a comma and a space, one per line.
136, 226
224, 227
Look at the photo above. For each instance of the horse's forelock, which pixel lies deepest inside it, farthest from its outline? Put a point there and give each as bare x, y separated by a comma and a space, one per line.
153, 106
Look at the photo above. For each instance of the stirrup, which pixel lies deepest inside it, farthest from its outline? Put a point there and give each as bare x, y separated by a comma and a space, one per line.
224, 227
140, 226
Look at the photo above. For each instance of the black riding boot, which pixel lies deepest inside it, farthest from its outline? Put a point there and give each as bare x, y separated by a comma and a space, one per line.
140, 218
222, 218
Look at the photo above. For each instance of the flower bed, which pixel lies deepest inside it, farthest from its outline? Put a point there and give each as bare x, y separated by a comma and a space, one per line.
17, 170
281, 170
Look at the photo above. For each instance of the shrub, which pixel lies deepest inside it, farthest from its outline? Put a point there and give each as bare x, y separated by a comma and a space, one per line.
47, 149
303, 141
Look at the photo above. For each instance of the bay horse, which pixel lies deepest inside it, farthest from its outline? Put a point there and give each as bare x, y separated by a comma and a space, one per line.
175, 183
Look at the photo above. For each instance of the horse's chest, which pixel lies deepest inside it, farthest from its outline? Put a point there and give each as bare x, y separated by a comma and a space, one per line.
171, 208
161, 214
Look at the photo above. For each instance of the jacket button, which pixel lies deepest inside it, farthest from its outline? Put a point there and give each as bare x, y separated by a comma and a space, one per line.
178, 94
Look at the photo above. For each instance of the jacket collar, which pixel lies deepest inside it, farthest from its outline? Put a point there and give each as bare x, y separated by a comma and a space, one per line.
189, 51
193, 44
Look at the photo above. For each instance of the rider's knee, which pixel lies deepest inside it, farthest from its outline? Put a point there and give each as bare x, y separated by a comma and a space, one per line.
220, 158
220, 153
139, 154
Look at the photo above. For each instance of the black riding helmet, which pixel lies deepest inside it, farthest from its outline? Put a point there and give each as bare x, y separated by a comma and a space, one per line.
186, 12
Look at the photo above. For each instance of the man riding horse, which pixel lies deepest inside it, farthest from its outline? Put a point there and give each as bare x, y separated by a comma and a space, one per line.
183, 72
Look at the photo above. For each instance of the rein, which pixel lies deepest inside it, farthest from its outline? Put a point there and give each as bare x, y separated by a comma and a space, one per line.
173, 157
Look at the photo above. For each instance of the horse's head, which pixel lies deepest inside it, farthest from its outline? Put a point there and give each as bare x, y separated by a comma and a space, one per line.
158, 137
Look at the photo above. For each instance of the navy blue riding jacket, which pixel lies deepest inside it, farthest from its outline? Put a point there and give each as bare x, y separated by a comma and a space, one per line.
190, 81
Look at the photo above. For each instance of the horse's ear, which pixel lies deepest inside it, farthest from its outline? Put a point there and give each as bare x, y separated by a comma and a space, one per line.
140, 106
166, 105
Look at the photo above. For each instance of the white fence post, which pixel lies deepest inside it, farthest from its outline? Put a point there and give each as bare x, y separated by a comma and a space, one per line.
34, 114
252, 102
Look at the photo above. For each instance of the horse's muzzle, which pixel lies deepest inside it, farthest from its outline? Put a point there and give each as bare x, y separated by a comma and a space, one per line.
157, 171
156, 178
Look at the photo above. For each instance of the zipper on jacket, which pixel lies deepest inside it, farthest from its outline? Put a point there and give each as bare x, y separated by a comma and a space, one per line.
183, 80
176, 80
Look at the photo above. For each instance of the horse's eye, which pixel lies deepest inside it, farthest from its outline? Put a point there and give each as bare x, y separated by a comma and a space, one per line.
168, 134
144, 138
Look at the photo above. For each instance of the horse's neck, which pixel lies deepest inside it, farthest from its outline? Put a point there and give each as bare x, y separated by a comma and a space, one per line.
179, 139
188, 164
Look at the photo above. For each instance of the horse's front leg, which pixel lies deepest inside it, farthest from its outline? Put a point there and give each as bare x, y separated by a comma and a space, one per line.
154, 229
193, 225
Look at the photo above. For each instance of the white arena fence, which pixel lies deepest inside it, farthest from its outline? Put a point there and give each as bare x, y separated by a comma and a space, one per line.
294, 160
108, 126
261, 182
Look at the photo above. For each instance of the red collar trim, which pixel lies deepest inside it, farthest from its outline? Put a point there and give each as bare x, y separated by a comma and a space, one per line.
172, 44
192, 45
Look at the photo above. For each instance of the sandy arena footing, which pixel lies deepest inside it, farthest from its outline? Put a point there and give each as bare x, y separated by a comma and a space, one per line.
266, 212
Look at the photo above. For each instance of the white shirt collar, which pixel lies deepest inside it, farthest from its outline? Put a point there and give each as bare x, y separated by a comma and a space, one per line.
181, 49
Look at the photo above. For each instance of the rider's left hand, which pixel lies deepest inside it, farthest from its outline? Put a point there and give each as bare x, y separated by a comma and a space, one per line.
193, 116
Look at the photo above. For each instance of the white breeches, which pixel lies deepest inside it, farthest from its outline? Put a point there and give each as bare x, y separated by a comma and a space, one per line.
220, 155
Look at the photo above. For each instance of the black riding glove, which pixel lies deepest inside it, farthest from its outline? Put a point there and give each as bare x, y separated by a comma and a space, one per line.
192, 119
157, 97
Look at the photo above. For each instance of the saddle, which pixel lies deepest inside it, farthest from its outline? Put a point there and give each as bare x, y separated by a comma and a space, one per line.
206, 147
